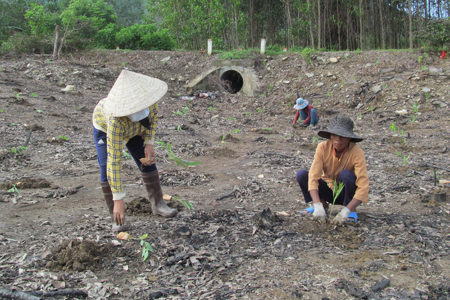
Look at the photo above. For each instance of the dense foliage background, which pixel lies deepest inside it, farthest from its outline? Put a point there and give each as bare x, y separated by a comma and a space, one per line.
30, 25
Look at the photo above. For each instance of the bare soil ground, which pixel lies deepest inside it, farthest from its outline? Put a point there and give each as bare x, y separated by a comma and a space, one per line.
55, 238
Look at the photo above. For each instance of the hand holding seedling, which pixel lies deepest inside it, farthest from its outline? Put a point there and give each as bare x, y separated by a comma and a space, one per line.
341, 217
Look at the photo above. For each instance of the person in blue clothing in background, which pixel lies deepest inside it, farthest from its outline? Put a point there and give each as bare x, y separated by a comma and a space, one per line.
307, 112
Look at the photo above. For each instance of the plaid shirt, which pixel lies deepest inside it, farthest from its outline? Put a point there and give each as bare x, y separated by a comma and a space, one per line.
119, 130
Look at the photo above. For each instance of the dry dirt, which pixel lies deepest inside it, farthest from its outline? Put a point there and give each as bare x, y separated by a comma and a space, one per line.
245, 237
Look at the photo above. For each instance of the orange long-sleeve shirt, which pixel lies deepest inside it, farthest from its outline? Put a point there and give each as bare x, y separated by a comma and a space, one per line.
327, 166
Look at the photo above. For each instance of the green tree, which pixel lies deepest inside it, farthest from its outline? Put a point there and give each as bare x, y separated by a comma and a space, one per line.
39, 20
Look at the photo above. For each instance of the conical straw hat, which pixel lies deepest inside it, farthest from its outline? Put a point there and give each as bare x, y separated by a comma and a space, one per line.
133, 92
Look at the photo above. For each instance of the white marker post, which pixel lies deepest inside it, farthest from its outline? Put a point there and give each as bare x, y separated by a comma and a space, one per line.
263, 46
209, 46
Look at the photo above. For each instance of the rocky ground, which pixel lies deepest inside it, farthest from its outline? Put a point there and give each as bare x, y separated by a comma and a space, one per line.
245, 237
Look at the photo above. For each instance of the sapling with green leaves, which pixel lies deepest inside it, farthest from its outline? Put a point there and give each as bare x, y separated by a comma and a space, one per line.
337, 189
172, 156
393, 127
18, 150
404, 158
185, 203
146, 247
14, 190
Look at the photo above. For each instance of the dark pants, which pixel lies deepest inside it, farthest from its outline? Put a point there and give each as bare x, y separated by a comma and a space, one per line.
325, 193
135, 146
314, 118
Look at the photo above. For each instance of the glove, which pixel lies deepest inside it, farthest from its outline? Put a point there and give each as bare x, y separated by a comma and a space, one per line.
319, 211
341, 217
303, 125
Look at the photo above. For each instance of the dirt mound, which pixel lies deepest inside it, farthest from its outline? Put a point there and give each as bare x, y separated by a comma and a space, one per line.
76, 255
26, 183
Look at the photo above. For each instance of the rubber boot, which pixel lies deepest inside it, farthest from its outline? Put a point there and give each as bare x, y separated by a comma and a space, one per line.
155, 195
107, 194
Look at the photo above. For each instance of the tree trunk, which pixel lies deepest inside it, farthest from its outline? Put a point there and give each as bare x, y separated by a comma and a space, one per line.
348, 27
55, 44
338, 18
318, 24
410, 26
289, 24
383, 46
310, 24
360, 26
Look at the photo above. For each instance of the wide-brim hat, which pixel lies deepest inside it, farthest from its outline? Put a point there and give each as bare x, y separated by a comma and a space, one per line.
301, 104
133, 92
342, 126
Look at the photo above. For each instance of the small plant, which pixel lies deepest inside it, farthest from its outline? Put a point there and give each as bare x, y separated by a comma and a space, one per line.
185, 203
393, 127
177, 160
123, 64
330, 94
126, 155
371, 108
415, 108
146, 247
260, 110
384, 85
419, 60
424, 67
404, 158
235, 131
231, 119
179, 127
223, 139
33, 95
212, 108
14, 189
270, 88
79, 107
39, 111
337, 189
1, 110
315, 139
343, 82
62, 137
248, 113
359, 117
17, 96
427, 96
182, 112
268, 129
18, 150
413, 119
404, 136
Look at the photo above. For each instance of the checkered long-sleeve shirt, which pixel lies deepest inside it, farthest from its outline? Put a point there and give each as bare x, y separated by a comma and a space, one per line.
119, 130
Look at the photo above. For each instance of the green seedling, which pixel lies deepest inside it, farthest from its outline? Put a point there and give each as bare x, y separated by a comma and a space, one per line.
419, 60
14, 189
17, 96
260, 110
424, 67
126, 155
343, 82
79, 107
427, 96
33, 95
359, 117
248, 113
123, 64
146, 247
18, 150
371, 108
235, 131
337, 189
404, 158
223, 139
413, 119
315, 139
177, 160
14, 124
231, 119
185, 203
384, 85
182, 112
330, 94
393, 127
415, 108
268, 129
1, 110
270, 88
212, 108
62, 137
39, 111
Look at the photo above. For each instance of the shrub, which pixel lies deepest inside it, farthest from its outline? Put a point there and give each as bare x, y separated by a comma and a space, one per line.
159, 40
435, 34
106, 38
21, 43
